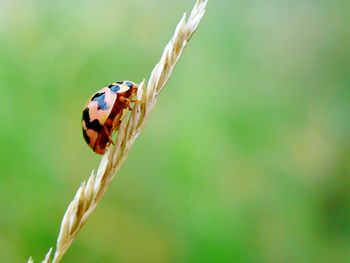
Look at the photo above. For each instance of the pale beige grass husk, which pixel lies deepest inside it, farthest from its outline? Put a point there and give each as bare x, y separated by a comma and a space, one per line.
90, 193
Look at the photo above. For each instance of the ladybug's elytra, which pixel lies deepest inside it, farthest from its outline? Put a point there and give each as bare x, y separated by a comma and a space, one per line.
103, 112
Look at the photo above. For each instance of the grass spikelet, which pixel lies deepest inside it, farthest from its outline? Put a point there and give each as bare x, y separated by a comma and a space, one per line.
89, 194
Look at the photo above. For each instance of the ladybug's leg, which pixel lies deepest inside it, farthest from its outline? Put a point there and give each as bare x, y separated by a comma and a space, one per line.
110, 139
136, 95
126, 102
116, 121
135, 101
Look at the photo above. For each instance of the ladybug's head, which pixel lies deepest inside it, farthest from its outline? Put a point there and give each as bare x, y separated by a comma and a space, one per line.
121, 86
132, 86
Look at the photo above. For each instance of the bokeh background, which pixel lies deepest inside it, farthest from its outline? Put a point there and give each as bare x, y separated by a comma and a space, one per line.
246, 157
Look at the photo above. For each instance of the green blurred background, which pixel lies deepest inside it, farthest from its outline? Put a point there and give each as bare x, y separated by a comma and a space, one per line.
246, 157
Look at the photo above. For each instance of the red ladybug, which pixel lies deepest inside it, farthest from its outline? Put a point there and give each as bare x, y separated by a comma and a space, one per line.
103, 112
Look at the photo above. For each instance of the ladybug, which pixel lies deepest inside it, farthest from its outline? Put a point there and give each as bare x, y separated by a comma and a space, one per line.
103, 113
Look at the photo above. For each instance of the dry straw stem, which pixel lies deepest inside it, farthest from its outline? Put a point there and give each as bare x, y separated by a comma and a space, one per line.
90, 193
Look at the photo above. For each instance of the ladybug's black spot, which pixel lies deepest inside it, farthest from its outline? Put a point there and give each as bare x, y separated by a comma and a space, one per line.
93, 125
98, 94
86, 137
114, 88
100, 99
86, 116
